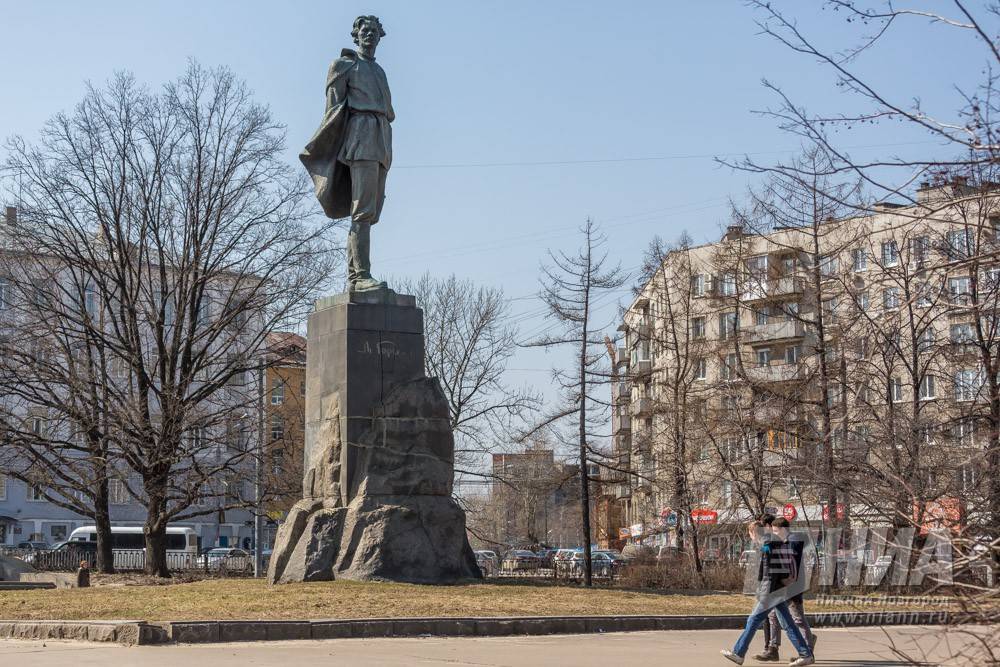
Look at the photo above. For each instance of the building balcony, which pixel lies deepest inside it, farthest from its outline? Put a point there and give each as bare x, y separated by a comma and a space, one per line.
620, 424
642, 367
643, 329
777, 288
642, 407
778, 373
775, 331
621, 357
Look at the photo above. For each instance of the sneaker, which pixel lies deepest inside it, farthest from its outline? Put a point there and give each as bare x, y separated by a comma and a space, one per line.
769, 654
802, 661
732, 657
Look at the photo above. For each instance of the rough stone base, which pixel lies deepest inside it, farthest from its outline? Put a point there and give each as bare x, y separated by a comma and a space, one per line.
417, 539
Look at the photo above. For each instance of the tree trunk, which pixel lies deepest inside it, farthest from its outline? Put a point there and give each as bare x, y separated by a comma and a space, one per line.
588, 566
155, 528
102, 521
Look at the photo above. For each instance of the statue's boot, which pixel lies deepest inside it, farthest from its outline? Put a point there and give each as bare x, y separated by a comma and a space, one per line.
367, 284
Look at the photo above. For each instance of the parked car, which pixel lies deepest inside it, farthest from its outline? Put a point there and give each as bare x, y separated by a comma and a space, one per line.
34, 546
520, 559
227, 558
602, 563
65, 555
487, 562
546, 556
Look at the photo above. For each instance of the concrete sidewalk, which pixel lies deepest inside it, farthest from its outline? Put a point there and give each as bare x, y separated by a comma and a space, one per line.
862, 647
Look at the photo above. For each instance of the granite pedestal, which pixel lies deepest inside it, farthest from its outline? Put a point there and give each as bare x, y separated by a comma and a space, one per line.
379, 454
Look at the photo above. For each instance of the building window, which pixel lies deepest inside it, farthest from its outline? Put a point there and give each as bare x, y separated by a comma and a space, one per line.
763, 357
925, 343
760, 317
968, 382
897, 390
277, 392
964, 432
277, 427
860, 260
830, 309
919, 249
698, 327
863, 301
927, 388
792, 354
757, 266
3, 487
829, 265
727, 286
968, 477
924, 296
959, 290
729, 367
701, 369
197, 438
959, 242
727, 493
117, 492
35, 493
4, 294
698, 285
728, 325
890, 298
90, 301
962, 333
864, 347
890, 253
236, 367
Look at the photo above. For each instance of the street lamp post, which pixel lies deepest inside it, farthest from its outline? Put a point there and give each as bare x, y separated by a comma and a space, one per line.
258, 482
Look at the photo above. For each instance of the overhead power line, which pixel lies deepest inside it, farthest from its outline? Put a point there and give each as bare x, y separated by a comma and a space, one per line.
648, 158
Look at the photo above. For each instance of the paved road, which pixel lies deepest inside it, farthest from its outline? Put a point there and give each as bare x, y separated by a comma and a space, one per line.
837, 648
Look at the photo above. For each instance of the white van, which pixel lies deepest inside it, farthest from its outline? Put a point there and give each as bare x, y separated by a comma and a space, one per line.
179, 539
128, 545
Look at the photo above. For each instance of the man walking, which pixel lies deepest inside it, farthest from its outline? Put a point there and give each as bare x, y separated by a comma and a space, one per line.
776, 572
772, 629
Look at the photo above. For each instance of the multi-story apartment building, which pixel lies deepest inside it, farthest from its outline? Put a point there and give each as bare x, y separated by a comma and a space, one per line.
833, 371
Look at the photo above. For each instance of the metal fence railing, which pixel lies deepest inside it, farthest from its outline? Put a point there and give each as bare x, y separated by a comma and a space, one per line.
130, 560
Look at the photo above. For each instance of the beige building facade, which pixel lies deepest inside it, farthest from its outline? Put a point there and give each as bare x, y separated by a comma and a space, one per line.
838, 371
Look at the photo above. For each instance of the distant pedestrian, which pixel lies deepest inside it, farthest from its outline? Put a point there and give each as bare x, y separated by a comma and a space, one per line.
777, 570
83, 575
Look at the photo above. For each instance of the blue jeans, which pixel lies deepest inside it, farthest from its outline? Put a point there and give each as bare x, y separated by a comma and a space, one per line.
759, 616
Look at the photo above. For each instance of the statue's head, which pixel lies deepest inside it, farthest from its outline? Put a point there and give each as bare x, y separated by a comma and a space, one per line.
367, 32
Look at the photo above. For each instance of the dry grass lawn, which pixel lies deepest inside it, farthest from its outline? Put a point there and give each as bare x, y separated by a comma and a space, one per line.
247, 599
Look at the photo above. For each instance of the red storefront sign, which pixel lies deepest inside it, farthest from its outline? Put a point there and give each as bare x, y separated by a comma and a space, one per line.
840, 512
704, 516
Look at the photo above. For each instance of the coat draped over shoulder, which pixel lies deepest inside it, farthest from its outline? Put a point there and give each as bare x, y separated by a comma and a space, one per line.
332, 178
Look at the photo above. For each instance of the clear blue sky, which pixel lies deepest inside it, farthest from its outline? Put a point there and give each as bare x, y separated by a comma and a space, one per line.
491, 83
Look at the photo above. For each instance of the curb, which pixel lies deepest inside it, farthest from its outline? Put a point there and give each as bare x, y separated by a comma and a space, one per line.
204, 632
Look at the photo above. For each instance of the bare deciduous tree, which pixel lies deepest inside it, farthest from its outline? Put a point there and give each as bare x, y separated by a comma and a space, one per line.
174, 237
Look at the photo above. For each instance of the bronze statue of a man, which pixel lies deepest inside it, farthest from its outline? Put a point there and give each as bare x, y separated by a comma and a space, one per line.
349, 156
